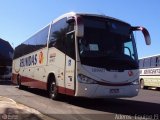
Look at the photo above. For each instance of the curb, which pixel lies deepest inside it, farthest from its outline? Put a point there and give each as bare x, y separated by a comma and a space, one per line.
10, 110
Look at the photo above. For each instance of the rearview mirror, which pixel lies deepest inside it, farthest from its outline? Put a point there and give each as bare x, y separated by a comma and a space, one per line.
145, 33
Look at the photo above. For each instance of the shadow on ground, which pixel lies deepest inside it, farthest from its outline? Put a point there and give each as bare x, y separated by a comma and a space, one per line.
116, 106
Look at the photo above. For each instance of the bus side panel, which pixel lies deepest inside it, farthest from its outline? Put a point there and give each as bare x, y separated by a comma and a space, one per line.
34, 75
57, 65
33, 83
151, 77
32, 69
70, 76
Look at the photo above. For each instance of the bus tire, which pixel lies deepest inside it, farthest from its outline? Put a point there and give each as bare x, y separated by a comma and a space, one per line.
53, 89
20, 86
142, 84
158, 88
19, 82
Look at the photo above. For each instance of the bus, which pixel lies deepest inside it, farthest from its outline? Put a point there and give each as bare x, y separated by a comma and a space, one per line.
82, 55
6, 56
150, 72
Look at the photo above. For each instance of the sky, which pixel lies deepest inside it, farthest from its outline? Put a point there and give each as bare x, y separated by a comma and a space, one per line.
19, 19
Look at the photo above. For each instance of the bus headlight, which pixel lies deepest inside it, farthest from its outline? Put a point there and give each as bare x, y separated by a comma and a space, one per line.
85, 79
136, 82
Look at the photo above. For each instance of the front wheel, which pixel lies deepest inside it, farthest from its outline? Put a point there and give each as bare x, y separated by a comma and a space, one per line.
53, 90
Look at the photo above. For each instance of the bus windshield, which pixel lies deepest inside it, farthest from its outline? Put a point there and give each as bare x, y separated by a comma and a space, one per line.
107, 43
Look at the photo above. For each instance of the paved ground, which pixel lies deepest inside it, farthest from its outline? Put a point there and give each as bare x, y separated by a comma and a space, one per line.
11, 110
145, 105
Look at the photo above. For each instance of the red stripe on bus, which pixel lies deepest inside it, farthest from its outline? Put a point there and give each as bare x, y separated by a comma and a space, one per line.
70, 92
40, 84
66, 91
33, 83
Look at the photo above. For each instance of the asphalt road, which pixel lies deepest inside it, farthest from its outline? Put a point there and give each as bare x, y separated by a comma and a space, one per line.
145, 106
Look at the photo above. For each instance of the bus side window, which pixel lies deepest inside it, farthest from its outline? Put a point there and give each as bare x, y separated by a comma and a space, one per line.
58, 34
146, 62
141, 63
41, 38
70, 45
153, 61
158, 61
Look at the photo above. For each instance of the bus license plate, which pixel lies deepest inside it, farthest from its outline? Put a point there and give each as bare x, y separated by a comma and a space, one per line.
114, 91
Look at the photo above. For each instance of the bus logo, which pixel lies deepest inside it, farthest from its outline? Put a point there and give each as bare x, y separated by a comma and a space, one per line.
41, 58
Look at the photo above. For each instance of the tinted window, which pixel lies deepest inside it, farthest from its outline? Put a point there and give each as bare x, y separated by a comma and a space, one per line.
70, 45
109, 43
36, 42
41, 38
58, 34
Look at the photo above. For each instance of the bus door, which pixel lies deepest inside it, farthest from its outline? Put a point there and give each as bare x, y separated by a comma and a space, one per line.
70, 63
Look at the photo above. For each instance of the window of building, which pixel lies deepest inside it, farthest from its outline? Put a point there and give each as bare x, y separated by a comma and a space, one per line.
153, 61
141, 63
158, 61
146, 62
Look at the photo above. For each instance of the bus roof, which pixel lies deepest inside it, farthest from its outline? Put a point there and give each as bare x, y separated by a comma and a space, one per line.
86, 14
150, 56
74, 14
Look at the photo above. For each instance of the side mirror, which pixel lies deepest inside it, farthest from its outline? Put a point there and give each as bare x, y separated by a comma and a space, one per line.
70, 19
145, 33
79, 25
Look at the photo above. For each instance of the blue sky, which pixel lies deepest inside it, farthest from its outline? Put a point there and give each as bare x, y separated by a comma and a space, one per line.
19, 19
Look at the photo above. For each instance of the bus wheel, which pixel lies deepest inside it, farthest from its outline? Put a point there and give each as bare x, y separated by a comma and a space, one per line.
142, 84
53, 90
19, 82
158, 88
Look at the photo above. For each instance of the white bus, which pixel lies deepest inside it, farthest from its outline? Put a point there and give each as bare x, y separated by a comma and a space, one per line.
83, 55
150, 71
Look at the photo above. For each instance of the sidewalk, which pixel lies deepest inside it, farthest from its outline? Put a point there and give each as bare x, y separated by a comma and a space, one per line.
10, 110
